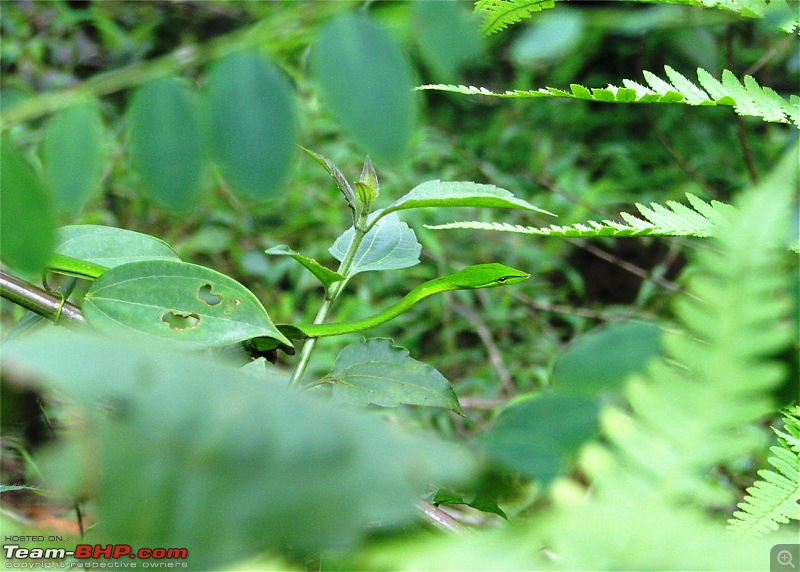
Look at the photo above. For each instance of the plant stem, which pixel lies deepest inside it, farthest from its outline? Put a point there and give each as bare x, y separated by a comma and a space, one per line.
322, 314
39, 301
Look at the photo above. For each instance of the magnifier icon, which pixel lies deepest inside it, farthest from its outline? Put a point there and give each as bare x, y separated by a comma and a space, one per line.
784, 558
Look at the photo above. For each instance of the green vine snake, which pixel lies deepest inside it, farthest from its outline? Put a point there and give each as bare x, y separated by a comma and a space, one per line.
470, 278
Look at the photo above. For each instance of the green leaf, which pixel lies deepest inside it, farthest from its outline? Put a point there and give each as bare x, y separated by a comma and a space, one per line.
206, 447
325, 275
773, 499
366, 81
699, 406
487, 502
375, 372
338, 177
540, 436
6, 488
448, 37
389, 245
600, 361
177, 301
748, 99
674, 219
26, 220
253, 124
457, 194
73, 155
483, 501
167, 142
497, 15
109, 246
552, 36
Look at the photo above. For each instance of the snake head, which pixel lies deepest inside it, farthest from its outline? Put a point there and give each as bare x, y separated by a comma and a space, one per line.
487, 276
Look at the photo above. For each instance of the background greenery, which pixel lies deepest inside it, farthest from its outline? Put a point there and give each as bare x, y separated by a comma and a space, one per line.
548, 352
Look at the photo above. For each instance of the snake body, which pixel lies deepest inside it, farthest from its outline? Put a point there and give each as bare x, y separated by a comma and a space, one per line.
61, 264
470, 278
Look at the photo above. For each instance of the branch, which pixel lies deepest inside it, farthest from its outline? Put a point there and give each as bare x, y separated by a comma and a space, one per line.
39, 301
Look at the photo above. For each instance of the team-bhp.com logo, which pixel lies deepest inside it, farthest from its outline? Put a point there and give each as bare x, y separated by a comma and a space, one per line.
18, 557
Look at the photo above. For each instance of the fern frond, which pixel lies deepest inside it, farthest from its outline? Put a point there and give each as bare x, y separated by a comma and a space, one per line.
686, 414
674, 219
497, 15
747, 99
785, 16
773, 500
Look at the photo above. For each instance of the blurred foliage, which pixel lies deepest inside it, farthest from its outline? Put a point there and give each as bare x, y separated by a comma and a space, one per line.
515, 357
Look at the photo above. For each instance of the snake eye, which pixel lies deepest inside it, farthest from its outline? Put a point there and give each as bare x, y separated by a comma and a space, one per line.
502, 280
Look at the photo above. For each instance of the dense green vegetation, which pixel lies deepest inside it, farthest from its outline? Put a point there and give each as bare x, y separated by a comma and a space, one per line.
190, 190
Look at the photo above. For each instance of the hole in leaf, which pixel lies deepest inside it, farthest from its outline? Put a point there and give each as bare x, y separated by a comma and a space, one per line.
231, 306
206, 295
181, 322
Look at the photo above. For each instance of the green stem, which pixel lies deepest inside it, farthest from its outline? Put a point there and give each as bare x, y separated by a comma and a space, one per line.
322, 314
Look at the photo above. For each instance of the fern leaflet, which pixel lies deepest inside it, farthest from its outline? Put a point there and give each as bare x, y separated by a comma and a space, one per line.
784, 16
747, 99
674, 219
774, 499
685, 414
497, 15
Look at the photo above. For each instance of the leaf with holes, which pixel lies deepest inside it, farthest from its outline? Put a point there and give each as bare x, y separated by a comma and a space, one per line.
325, 275
109, 246
375, 372
389, 245
177, 301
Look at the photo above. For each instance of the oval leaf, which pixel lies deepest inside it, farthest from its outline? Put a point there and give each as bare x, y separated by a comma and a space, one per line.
177, 301
375, 372
167, 142
26, 221
109, 246
540, 436
600, 361
73, 155
253, 124
448, 37
366, 81
389, 245
457, 194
